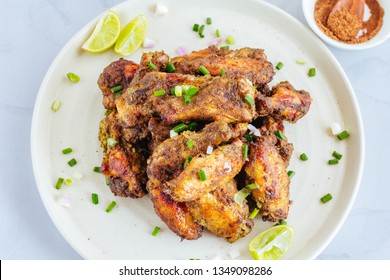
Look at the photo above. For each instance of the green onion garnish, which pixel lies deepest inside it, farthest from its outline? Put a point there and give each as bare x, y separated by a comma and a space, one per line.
252, 186
217, 33
280, 134
208, 21
95, 198
59, 183
195, 27
67, 151
180, 127
170, 68
156, 230
343, 135
152, 65
254, 213
68, 181
312, 72
249, 137
187, 161
160, 92
107, 112
225, 48
249, 99
301, 61
202, 175
290, 173
245, 151
55, 105
111, 142
117, 89
96, 169
73, 77
72, 162
117, 95
303, 157
201, 30
279, 65
333, 161
230, 40
203, 70
191, 91
223, 72
326, 198
240, 196
337, 155
111, 206
187, 99
177, 91
190, 143
281, 222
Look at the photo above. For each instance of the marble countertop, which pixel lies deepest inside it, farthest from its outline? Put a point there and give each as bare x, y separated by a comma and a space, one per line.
33, 32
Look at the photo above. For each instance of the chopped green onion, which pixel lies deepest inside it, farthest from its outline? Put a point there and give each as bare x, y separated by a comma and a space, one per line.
303, 157
67, 151
217, 33
203, 70
187, 161
249, 137
117, 95
301, 61
180, 127
343, 135
333, 161
192, 126
152, 65
117, 89
337, 155
230, 40
225, 48
195, 27
245, 151
55, 105
290, 173
201, 30
279, 65
223, 72
281, 222
178, 90
59, 183
187, 99
254, 213
202, 175
169, 67
95, 198
156, 230
96, 169
240, 196
208, 21
73, 77
107, 112
72, 162
111, 206
252, 186
280, 135
326, 198
107, 182
111, 142
312, 72
68, 181
159, 92
249, 99
190, 143
191, 91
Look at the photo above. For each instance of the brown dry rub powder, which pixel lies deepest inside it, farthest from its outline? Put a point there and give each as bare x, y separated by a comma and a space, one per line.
345, 27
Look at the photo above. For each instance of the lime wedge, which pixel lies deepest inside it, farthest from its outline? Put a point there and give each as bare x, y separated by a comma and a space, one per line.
105, 34
132, 36
271, 244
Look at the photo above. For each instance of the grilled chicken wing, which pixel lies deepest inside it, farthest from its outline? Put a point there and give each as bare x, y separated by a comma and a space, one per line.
248, 62
218, 212
285, 103
267, 169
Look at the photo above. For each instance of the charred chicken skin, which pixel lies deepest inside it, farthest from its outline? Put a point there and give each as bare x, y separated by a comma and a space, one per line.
180, 137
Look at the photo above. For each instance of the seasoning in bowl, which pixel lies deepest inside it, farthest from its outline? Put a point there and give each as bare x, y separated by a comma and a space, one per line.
345, 26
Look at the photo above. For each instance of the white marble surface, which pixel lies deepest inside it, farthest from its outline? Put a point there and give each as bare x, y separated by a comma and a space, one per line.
33, 32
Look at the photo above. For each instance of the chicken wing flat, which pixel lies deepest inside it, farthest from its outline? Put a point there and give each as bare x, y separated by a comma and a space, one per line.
219, 168
285, 103
267, 169
248, 62
218, 212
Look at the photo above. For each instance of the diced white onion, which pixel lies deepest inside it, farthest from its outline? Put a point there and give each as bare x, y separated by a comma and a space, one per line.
172, 133
77, 175
149, 43
227, 167
215, 41
65, 201
181, 50
234, 254
209, 150
160, 9
336, 128
254, 130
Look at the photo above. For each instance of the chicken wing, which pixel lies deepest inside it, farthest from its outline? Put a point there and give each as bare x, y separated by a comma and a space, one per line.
218, 212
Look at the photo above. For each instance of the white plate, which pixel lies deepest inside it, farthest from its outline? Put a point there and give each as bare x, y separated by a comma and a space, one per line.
125, 233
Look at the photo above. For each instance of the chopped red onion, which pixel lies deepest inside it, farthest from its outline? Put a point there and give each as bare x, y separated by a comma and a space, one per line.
181, 50
149, 43
215, 41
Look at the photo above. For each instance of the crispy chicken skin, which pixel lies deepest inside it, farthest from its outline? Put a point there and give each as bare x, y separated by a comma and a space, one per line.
285, 103
267, 169
220, 167
248, 62
218, 212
